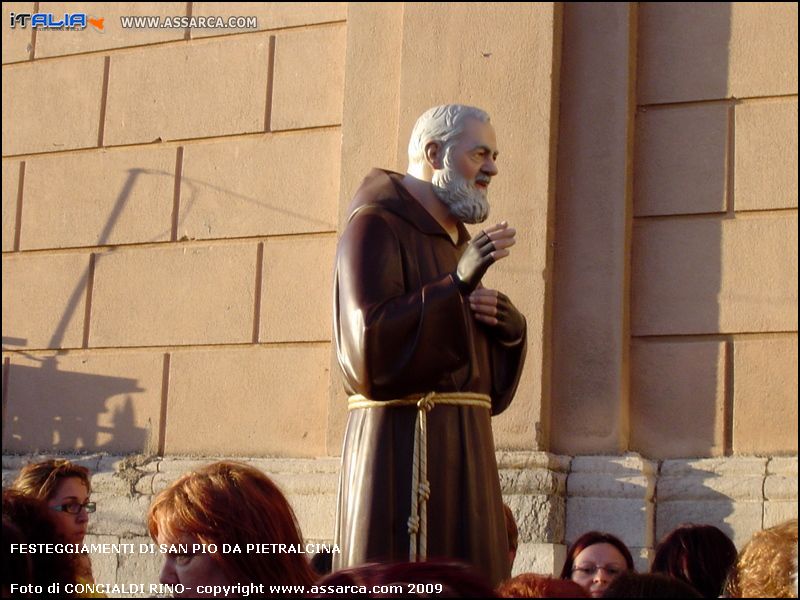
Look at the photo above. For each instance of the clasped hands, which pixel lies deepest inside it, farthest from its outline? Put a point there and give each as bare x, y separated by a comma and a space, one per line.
490, 307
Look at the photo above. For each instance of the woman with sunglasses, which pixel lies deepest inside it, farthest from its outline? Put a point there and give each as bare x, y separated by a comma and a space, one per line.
65, 487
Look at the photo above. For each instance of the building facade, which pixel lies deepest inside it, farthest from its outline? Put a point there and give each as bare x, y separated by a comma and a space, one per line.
172, 198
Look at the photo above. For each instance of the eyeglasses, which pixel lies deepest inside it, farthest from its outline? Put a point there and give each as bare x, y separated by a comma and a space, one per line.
591, 570
74, 508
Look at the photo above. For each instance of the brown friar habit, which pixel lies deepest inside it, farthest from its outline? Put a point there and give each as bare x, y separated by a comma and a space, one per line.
403, 328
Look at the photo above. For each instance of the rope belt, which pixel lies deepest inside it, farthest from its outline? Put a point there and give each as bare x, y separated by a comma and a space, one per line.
420, 487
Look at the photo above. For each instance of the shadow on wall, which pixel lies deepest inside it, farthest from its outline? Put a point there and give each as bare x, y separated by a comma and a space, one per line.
682, 379
47, 416
642, 361
55, 410
740, 498
640, 501
50, 409
681, 383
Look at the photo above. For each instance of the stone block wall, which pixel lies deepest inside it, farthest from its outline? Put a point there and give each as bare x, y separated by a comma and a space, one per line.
714, 247
675, 271
170, 208
172, 197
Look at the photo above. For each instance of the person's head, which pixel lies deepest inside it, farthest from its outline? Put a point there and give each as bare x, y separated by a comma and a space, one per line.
27, 519
454, 147
765, 566
65, 487
529, 585
322, 563
227, 503
595, 559
649, 585
512, 532
700, 555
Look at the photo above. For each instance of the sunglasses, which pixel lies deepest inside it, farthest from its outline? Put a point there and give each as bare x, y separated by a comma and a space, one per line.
74, 508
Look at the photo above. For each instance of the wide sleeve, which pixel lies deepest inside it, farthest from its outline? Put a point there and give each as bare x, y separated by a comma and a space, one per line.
392, 340
507, 362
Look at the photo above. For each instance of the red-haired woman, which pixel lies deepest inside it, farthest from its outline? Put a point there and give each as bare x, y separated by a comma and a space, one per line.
227, 503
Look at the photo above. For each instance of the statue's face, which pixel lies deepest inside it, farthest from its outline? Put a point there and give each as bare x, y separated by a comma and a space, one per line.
469, 166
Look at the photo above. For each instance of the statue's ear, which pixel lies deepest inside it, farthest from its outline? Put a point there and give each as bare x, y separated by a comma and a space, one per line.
434, 155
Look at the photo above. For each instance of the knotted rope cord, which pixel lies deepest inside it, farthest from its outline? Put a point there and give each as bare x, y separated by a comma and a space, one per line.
420, 486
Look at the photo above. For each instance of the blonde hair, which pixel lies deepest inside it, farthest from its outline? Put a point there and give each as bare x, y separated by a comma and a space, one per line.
766, 564
41, 480
233, 503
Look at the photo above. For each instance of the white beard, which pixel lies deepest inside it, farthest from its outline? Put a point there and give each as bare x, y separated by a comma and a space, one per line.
466, 202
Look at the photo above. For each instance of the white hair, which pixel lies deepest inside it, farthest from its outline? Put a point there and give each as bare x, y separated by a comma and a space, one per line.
441, 124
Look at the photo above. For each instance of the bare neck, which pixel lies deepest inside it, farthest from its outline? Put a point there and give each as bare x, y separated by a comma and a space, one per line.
422, 191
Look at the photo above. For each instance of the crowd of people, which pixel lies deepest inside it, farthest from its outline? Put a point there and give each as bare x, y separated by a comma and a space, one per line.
230, 503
